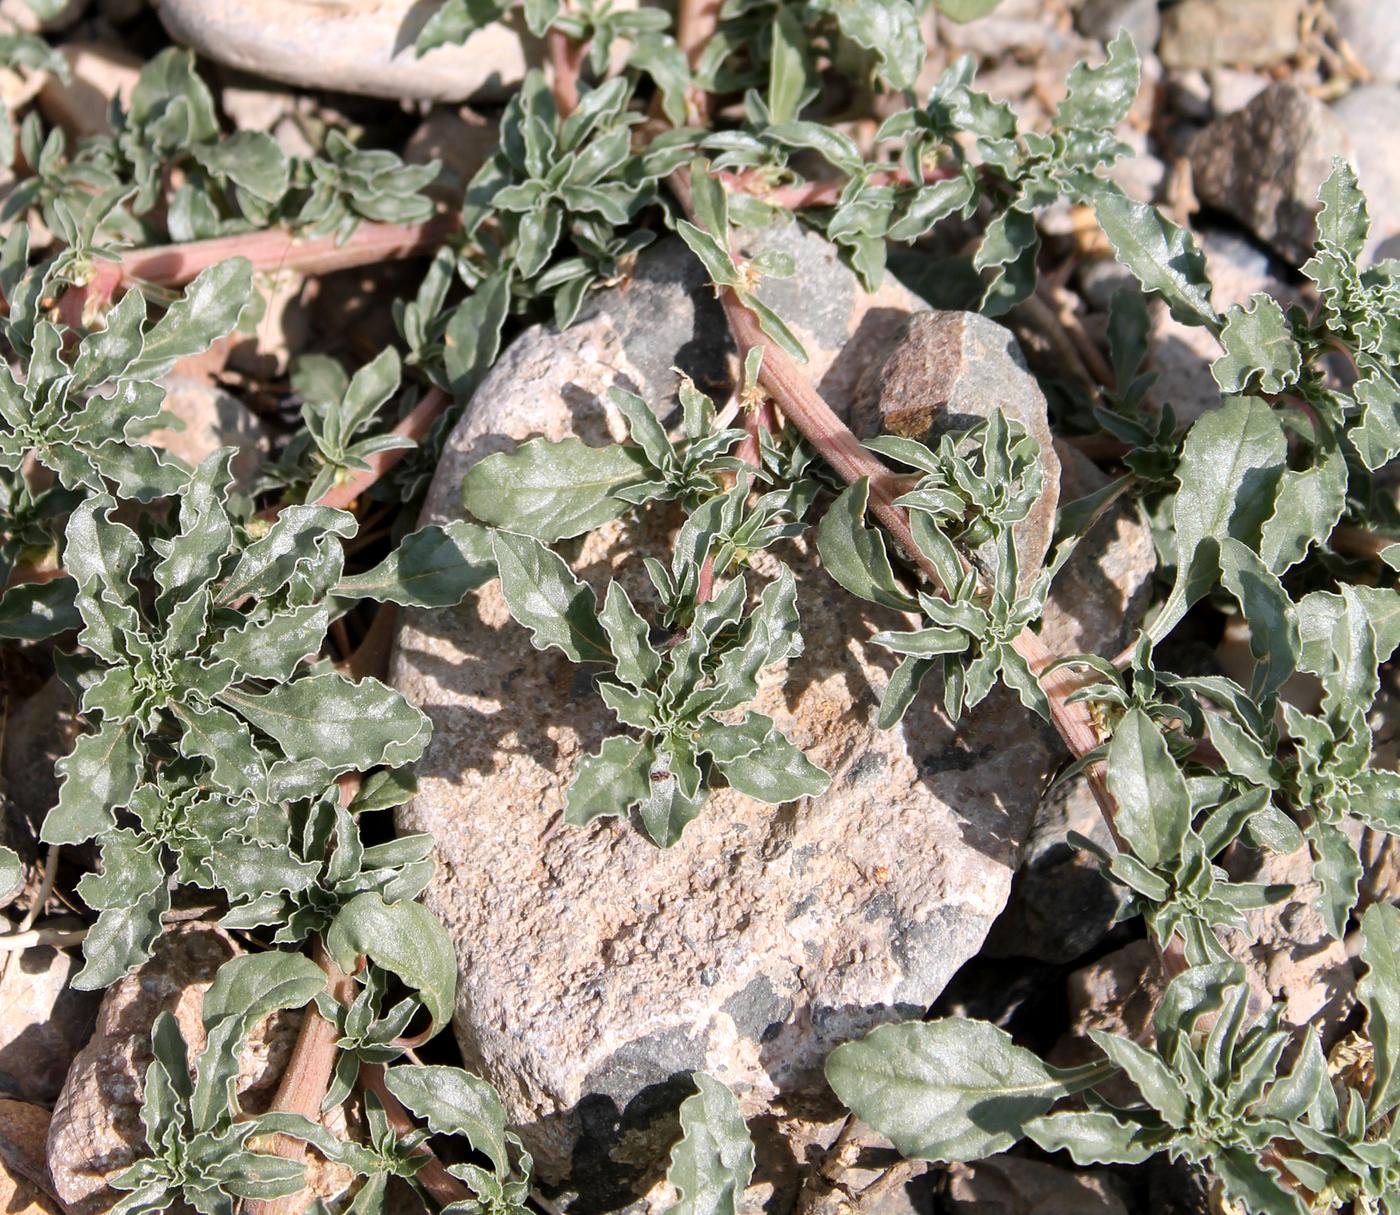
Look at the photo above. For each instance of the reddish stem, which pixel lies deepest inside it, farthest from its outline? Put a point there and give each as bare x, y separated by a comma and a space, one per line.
566, 58
414, 426
433, 1176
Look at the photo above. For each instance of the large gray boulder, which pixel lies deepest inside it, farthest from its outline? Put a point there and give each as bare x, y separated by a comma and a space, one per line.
596, 970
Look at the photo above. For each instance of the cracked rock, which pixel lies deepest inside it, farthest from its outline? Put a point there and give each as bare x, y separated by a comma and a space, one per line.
596, 970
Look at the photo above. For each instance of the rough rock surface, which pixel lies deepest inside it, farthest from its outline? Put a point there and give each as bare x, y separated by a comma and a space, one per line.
1251, 33
352, 46
212, 419
1375, 110
1264, 165
1373, 32
597, 970
96, 1126
43, 1022
23, 1130
1011, 1185
948, 372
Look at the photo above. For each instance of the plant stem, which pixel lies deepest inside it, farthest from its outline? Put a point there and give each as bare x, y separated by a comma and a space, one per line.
566, 58
414, 426
433, 1176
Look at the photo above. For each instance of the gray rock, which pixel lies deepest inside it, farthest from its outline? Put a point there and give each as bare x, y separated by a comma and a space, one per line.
1373, 112
39, 732
1249, 33
1372, 31
352, 46
597, 971
1231, 89
949, 371
1264, 165
1105, 19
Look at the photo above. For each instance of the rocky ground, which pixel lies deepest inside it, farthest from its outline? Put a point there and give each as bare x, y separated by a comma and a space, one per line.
936, 873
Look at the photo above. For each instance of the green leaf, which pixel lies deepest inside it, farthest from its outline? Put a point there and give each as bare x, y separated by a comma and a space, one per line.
434, 567
636, 662
1090, 1138
1260, 349
97, 777
675, 796
1338, 872
341, 724
1154, 805
1099, 98
473, 335
208, 310
890, 29
713, 255
943, 1090
1230, 467
11, 872
712, 1162
1379, 990
131, 893
267, 564
406, 940
607, 783
1343, 220
235, 762
1153, 1078
775, 772
1162, 256
1273, 636
543, 594
272, 647
966, 10
455, 1102
787, 67
33, 611
855, 555
552, 490
1309, 504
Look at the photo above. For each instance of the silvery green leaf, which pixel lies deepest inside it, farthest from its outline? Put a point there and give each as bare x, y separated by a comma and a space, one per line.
714, 256
11, 872
342, 724
966, 10
1154, 806
246, 870
197, 551
636, 662
1092, 1137
855, 555
644, 428
1309, 504
931, 204
923, 643
244, 990
539, 233
1009, 249
1162, 257
101, 557
773, 326
889, 28
1099, 98
943, 1090
208, 310
271, 647
607, 783
455, 1102
436, 566
369, 388
1337, 870
455, 21
235, 764
901, 690
787, 67
131, 893
33, 611
1247, 1180
712, 1162
552, 490
1343, 220
406, 940
1230, 467
1380, 993
724, 742
97, 777
1154, 1079
140, 472
1292, 1095
106, 353
769, 634
675, 795
1260, 349
473, 335
543, 594
252, 160
774, 772
268, 563
1273, 637
1375, 799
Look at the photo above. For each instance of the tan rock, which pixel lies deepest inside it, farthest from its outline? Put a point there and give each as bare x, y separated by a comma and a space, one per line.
100, 73
597, 968
1243, 33
21, 16
461, 139
43, 1022
280, 333
352, 46
212, 419
23, 1188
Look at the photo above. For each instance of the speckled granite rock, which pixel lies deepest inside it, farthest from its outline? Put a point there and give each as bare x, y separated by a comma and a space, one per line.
597, 970
353, 46
1264, 165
